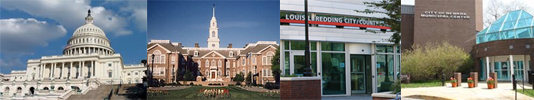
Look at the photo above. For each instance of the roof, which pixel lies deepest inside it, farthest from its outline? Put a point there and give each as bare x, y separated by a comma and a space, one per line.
168, 46
514, 25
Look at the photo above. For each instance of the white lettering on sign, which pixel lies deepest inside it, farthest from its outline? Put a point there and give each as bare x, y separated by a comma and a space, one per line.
444, 14
334, 19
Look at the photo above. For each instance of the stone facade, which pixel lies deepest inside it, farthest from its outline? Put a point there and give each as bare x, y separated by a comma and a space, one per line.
88, 61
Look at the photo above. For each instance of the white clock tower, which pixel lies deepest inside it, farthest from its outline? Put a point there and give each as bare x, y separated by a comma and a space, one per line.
213, 39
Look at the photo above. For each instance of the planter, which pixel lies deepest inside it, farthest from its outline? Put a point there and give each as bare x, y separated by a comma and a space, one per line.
454, 84
471, 85
491, 86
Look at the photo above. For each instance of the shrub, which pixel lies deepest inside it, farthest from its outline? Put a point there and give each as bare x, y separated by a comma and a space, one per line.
396, 87
270, 86
433, 61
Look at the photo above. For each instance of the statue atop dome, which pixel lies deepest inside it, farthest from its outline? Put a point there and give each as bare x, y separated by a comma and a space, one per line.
88, 19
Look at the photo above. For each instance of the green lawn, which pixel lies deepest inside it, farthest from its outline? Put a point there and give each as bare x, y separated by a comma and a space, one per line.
528, 92
235, 93
432, 83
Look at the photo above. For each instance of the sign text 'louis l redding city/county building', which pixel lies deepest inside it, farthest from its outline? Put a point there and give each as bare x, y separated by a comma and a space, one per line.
335, 19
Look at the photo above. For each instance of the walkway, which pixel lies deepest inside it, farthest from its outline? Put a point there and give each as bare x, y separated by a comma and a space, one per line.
352, 97
503, 92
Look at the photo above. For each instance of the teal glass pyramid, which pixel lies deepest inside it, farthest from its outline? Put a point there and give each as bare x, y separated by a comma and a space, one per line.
514, 25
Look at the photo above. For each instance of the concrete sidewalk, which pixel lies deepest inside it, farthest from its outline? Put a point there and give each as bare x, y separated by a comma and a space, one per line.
352, 97
503, 92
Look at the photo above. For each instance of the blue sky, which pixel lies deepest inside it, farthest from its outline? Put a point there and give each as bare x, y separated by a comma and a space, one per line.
239, 22
31, 28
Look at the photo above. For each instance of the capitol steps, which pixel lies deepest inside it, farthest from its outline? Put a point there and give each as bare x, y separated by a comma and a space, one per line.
99, 93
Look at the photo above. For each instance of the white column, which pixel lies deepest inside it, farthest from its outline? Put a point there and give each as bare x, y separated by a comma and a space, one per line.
92, 66
52, 69
511, 66
61, 71
41, 71
488, 68
81, 69
373, 68
70, 70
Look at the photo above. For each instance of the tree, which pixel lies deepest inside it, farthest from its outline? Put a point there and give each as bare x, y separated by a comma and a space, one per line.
496, 9
275, 62
433, 61
392, 10
238, 78
248, 81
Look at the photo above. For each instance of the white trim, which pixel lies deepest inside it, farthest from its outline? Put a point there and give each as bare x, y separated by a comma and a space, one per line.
212, 52
266, 48
158, 45
299, 78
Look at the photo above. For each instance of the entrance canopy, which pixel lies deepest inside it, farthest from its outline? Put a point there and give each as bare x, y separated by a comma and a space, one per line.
514, 25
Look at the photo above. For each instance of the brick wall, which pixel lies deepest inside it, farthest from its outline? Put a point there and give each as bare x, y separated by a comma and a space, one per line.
300, 89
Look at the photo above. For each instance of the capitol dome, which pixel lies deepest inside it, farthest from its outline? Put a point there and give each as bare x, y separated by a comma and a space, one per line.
88, 39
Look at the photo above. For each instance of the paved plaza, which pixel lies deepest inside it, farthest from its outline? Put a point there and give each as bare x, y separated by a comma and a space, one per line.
503, 92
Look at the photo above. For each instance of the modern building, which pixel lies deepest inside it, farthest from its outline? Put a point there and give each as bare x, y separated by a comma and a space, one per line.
350, 51
216, 65
505, 47
452, 21
88, 61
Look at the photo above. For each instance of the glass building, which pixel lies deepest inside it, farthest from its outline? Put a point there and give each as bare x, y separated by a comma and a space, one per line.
505, 47
350, 52
514, 25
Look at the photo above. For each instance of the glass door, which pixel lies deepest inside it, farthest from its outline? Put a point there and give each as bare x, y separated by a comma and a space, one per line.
360, 67
333, 77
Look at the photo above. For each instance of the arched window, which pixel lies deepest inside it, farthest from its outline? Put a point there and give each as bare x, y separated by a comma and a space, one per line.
231, 54
60, 88
213, 34
220, 63
156, 56
196, 53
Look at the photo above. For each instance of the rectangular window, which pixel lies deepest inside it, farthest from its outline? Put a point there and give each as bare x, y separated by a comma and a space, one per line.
263, 60
110, 74
384, 49
243, 62
253, 60
332, 46
162, 59
207, 63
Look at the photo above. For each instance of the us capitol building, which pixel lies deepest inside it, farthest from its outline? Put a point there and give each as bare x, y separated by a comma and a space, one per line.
88, 61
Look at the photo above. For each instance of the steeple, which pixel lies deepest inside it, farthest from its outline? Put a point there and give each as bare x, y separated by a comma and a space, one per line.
88, 19
213, 10
213, 37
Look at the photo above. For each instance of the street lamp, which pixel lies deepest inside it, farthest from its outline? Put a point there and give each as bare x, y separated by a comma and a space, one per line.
152, 69
307, 69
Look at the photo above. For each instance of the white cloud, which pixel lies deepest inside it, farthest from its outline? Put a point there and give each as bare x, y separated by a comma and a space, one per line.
20, 35
71, 13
